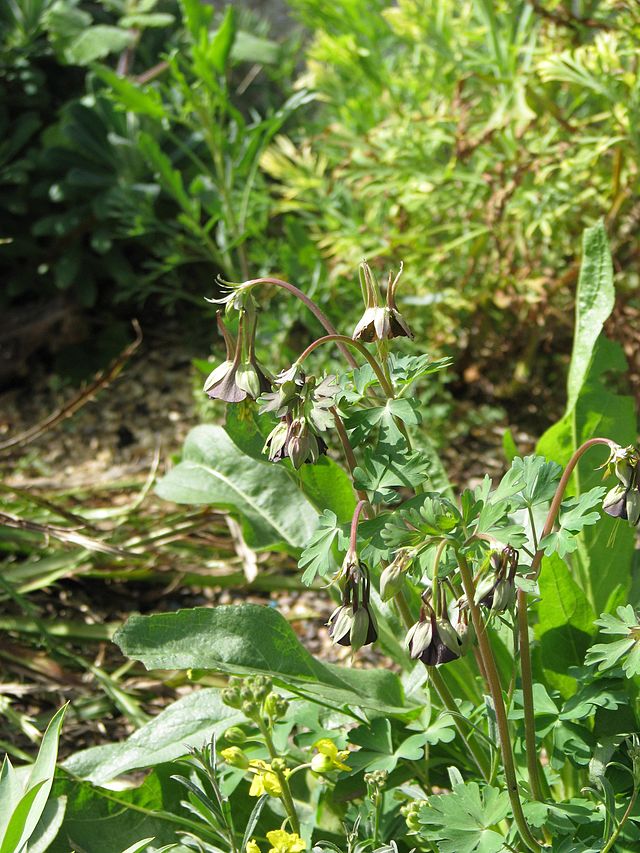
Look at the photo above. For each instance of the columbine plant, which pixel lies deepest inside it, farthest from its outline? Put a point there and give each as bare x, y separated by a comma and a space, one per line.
461, 573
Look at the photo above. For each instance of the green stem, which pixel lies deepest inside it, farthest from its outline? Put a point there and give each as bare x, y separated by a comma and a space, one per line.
609, 845
499, 707
287, 798
533, 763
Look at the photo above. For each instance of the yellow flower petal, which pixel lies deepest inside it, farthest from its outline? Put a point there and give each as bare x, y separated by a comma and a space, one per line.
285, 842
252, 847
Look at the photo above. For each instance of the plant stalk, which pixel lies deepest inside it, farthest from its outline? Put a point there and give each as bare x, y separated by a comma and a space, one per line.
533, 764
498, 702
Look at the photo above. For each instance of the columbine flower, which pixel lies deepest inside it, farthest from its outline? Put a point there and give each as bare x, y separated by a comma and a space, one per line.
265, 780
240, 375
285, 842
623, 500
379, 323
497, 590
433, 640
328, 757
353, 623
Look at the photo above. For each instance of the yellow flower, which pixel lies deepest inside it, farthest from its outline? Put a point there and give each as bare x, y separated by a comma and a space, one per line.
285, 842
265, 780
328, 757
252, 847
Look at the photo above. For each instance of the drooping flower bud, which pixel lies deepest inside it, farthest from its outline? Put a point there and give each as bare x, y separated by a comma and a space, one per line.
235, 735
239, 376
353, 623
433, 640
623, 500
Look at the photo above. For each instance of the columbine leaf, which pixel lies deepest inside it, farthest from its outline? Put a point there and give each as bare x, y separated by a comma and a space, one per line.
461, 821
607, 655
540, 479
407, 368
574, 516
319, 557
381, 475
420, 518
364, 421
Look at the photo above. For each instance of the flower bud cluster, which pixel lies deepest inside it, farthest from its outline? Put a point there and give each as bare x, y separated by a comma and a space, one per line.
411, 813
353, 623
257, 701
303, 405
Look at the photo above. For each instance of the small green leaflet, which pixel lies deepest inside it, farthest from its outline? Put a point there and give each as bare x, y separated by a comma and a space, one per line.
539, 477
574, 516
461, 822
380, 476
362, 422
607, 655
414, 522
407, 368
319, 557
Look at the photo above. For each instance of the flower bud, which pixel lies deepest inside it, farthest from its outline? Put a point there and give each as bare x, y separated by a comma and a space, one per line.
235, 757
359, 629
279, 765
321, 763
391, 578
231, 697
250, 710
235, 735
276, 706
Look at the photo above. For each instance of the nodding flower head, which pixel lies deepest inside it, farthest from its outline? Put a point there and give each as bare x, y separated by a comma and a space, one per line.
353, 623
433, 639
379, 322
240, 375
623, 500
497, 588
303, 406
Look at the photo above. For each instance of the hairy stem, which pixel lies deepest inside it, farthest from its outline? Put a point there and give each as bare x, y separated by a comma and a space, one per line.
499, 707
287, 798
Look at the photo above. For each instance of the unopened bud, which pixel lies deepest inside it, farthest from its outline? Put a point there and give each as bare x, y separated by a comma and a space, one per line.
276, 706
235, 757
278, 765
250, 710
231, 697
234, 734
391, 581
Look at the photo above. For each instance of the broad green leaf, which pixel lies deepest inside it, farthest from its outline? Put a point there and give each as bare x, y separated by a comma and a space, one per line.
243, 639
48, 825
10, 793
29, 810
565, 623
96, 43
222, 42
215, 472
142, 21
380, 475
189, 722
376, 747
462, 821
104, 821
594, 303
16, 834
599, 567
